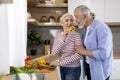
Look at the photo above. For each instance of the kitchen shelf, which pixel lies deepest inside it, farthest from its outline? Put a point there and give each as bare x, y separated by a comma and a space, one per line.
51, 5
35, 22
113, 23
47, 24
47, 14
32, 21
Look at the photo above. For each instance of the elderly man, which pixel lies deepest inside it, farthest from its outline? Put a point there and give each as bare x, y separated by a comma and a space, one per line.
98, 45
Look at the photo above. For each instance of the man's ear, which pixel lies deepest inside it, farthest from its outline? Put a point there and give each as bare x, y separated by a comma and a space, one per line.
85, 16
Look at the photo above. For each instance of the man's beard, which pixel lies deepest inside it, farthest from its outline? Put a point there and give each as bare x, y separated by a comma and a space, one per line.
81, 25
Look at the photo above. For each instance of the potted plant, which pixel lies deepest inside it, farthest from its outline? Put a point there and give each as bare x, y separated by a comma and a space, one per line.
33, 41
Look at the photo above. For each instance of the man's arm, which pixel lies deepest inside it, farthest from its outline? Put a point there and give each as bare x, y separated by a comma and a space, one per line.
82, 51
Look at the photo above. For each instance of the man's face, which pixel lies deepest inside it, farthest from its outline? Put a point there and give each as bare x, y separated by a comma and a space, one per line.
79, 19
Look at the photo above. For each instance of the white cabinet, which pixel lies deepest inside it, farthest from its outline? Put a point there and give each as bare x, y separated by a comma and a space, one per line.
105, 10
116, 70
112, 11
96, 6
72, 4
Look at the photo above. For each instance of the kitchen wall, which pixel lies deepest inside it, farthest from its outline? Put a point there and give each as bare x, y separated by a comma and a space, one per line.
45, 31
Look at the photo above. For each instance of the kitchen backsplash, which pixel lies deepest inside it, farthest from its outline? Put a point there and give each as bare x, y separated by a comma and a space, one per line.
48, 32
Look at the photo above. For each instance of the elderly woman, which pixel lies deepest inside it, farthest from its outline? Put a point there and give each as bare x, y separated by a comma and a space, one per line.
64, 45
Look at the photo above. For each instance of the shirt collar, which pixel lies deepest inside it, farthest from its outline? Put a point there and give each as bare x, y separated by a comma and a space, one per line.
88, 27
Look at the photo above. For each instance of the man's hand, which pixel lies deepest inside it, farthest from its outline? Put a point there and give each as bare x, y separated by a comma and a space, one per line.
80, 49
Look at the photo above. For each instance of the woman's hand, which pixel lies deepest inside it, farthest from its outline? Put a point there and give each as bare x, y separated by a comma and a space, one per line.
65, 33
55, 63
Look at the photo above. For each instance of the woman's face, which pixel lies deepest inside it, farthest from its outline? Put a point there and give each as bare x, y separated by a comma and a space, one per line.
67, 22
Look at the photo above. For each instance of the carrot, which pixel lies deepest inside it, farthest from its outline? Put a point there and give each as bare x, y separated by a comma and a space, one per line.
45, 70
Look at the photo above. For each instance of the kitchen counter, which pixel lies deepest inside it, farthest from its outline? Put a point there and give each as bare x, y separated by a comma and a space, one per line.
116, 55
33, 76
52, 76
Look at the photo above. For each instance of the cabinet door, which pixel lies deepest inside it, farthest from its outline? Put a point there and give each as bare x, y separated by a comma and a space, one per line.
116, 70
96, 6
72, 4
112, 11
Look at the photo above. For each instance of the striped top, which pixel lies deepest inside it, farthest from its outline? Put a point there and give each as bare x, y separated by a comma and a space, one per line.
66, 49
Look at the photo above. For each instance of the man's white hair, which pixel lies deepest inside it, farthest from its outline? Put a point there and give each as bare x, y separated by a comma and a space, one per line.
66, 14
83, 10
